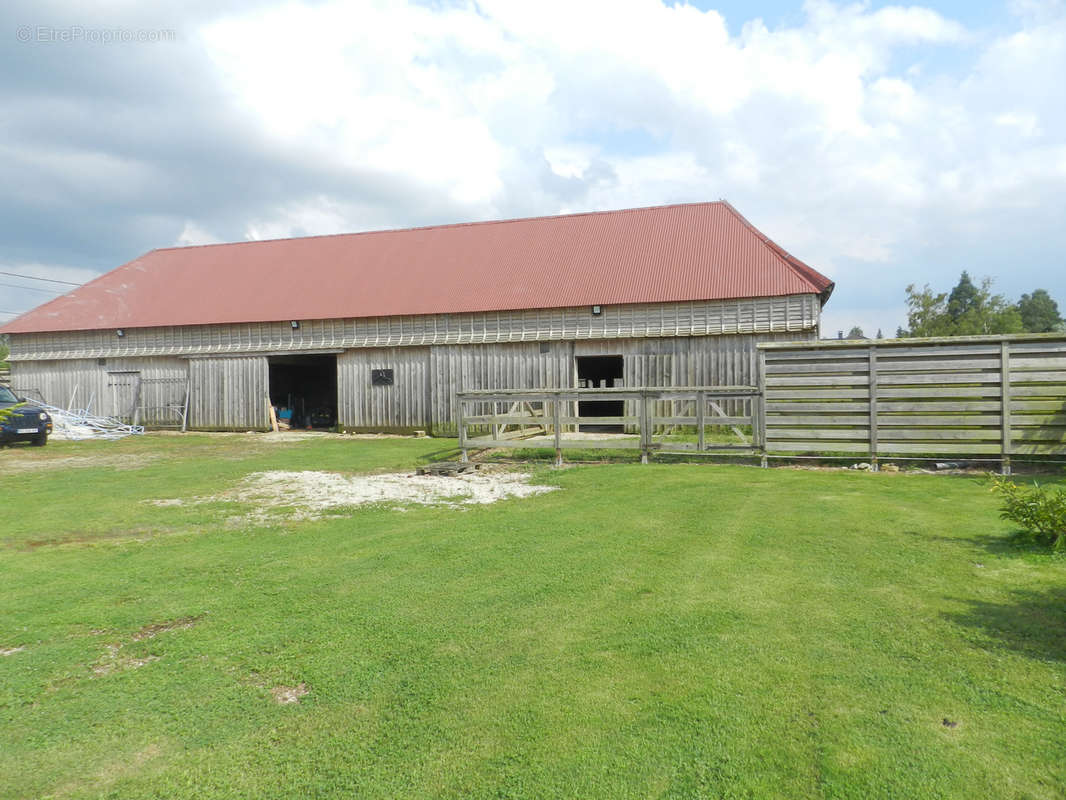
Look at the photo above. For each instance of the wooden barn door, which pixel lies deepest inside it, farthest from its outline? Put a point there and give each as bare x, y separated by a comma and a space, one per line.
229, 393
125, 390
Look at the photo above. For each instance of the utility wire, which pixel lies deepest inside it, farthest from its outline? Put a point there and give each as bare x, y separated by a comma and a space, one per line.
35, 278
32, 288
13, 313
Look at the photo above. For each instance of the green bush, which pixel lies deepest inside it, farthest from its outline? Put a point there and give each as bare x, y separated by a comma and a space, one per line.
7, 413
1040, 511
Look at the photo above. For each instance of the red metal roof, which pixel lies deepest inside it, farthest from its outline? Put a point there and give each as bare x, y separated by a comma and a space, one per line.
700, 251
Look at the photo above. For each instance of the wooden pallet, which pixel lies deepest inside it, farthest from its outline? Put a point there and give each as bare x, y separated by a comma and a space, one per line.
447, 468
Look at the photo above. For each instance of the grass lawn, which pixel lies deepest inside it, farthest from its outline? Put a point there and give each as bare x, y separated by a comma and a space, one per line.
670, 630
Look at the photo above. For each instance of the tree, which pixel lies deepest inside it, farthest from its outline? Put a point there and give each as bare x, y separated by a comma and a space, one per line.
879, 334
968, 310
927, 313
900, 333
4, 350
1040, 314
855, 333
964, 298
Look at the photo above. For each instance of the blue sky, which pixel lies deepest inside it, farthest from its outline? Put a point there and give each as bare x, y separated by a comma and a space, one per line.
785, 13
883, 144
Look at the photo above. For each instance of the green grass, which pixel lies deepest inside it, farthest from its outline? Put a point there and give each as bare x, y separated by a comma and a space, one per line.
669, 630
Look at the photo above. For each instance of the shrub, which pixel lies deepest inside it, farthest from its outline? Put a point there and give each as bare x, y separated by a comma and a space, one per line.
7, 413
1040, 511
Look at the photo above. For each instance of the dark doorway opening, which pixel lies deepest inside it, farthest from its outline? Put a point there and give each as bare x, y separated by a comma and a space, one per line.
303, 390
600, 372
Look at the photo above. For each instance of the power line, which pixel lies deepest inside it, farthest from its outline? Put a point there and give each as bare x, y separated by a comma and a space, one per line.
13, 313
31, 288
35, 278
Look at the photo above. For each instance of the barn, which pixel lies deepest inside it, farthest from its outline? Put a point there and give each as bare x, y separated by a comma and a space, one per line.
380, 329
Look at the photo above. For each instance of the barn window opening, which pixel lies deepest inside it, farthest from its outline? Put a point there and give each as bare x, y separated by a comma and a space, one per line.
303, 390
600, 372
382, 377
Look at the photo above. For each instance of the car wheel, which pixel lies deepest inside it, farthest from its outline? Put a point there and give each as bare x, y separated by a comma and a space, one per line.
39, 440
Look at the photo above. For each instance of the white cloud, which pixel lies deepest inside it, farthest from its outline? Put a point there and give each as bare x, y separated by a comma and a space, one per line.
193, 234
859, 137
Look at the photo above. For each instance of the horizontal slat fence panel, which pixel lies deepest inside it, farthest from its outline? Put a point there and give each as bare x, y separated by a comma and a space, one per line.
995, 396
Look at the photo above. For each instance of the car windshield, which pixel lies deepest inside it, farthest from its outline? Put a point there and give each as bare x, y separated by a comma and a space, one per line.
7, 396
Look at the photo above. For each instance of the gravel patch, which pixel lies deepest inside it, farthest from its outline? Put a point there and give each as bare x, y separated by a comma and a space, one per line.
320, 491
286, 695
310, 494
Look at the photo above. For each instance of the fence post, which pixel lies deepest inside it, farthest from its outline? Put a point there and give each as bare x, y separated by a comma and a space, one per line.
701, 406
645, 426
759, 409
1004, 413
464, 456
873, 409
557, 427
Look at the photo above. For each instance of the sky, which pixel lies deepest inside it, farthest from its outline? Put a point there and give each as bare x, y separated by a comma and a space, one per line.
884, 145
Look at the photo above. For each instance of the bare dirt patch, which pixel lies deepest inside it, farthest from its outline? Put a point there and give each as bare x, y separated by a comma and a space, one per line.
294, 436
285, 695
151, 631
92, 539
319, 491
114, 661
34, 461
310, 494
10, 651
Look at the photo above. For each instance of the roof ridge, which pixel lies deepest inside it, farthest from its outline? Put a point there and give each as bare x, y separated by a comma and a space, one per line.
803, 270
652, 254
85, 285
444, 225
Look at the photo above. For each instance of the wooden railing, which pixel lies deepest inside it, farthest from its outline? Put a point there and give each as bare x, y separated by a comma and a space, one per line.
723, 419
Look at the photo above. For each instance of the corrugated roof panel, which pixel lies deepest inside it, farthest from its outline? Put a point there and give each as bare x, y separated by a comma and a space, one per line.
702, 251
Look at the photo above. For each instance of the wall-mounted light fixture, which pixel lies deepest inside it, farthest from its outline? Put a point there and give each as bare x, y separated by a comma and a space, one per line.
295, 324
121, 332
596, 311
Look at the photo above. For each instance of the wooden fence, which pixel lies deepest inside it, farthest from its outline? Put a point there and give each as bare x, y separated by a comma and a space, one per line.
994, 397
678, 419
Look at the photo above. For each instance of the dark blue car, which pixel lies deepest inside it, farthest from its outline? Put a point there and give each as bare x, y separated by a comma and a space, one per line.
21, 421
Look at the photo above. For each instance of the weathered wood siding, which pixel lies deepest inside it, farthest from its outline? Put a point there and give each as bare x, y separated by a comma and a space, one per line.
229, 393
787, 314
403, 406
694, 361
109, 388
998, 396
499, 366
672, 361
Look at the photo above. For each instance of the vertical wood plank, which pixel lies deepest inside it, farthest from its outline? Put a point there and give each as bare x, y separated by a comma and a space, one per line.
557, 428
759, 408
701, 407
1005, 399
459, 403
645, 427
873, 408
